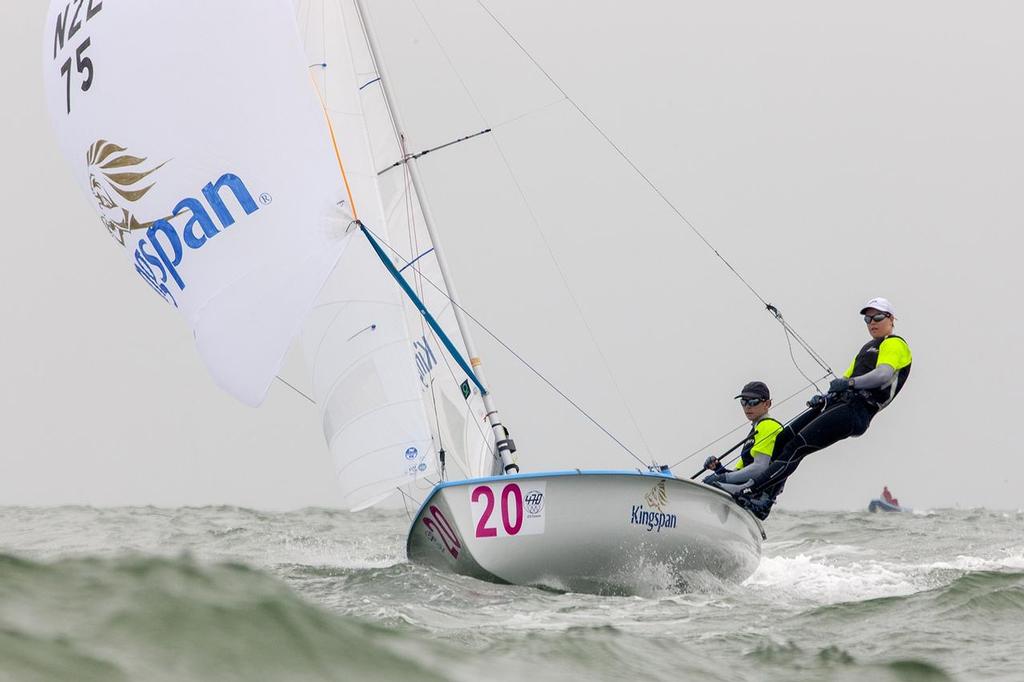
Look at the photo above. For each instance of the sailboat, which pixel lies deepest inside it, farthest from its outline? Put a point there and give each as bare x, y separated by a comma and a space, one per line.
254, 168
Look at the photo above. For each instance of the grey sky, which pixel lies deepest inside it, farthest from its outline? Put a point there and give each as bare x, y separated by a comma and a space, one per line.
830, 154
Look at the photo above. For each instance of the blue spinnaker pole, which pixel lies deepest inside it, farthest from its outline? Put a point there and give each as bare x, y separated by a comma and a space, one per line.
452, 350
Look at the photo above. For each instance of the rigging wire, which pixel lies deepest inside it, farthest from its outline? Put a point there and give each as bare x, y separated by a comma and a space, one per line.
790, 332
278, 377
536, 223
514, 354
400, 138
405, 501
768, 306
409, 194
746, 424
789, 345
414, 248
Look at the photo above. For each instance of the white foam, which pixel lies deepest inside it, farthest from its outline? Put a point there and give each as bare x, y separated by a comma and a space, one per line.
826, 575
973, 563
810, 578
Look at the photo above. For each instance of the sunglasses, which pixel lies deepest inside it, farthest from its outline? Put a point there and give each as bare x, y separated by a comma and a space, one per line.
877, 317
751, 402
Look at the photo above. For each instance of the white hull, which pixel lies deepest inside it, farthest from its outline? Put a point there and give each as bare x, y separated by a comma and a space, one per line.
601, 532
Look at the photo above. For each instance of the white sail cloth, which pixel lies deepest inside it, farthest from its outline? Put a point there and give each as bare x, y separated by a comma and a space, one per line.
203, 142
456, 412
356, 340
195, 130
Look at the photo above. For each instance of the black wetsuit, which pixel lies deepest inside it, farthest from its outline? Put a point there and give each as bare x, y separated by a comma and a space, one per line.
844, 415
812, 431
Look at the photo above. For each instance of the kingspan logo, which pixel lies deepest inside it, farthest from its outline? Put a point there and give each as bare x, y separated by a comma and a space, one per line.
658, 519
658, 497
159, 254
425, 359
654, 520
118, 179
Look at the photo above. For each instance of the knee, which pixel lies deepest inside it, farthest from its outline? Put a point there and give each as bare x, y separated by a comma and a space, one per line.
791, 450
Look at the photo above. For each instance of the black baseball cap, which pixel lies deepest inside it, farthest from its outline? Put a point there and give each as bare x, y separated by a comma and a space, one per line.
755, 389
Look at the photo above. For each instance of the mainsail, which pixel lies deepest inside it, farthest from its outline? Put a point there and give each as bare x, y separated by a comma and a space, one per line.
356, 341
193, 128
380, 333
459, 416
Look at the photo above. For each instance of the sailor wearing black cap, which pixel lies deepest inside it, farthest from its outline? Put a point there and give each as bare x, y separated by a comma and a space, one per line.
756, 400
874, 378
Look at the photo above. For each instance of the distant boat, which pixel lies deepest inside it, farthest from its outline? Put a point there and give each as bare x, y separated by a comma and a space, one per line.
880, 505
886, 502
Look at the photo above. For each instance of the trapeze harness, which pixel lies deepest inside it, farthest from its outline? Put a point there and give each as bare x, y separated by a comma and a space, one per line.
755, 456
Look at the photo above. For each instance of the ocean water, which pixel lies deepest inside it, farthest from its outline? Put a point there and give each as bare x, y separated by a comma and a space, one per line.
222, 593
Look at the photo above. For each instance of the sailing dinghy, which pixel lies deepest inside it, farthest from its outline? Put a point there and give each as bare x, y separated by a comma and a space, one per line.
259, 180
608, 532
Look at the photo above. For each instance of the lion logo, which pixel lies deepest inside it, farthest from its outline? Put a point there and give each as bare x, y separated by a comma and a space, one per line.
658, 497
116, 181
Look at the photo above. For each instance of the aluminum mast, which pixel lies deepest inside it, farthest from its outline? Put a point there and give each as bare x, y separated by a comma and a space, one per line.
502, 441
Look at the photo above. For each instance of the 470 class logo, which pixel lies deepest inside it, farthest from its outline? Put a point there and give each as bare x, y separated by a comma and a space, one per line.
534, 501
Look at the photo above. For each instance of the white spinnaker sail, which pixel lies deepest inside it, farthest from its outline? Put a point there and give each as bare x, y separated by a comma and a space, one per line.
194, 129
356, 340
454, 406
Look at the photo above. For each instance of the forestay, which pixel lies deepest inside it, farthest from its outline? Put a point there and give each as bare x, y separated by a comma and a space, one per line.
194, 129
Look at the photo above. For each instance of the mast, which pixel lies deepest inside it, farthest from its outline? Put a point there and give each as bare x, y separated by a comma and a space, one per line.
502, 440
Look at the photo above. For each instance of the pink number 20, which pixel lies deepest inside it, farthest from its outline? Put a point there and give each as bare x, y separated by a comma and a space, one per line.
511, 528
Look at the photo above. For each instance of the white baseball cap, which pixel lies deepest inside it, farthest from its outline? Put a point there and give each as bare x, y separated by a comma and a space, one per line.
880, 304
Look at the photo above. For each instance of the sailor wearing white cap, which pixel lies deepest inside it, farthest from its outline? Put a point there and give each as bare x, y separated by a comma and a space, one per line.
873, 379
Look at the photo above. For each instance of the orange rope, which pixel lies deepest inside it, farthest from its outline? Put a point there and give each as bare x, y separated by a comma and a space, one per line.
337, 153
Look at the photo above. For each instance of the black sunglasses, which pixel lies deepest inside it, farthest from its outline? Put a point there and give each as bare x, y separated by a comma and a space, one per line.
751, 402
877, 317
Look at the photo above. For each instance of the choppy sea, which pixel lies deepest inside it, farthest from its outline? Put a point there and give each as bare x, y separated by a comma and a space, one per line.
222, 593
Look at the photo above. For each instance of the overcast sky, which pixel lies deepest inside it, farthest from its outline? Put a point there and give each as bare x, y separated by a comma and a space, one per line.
830, 153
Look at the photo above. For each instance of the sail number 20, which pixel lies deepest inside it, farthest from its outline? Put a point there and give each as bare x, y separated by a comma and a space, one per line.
511, 509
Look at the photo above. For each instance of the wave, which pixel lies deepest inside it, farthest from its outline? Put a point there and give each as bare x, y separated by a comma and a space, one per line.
149, 618
106, 594
808, 578
835, 662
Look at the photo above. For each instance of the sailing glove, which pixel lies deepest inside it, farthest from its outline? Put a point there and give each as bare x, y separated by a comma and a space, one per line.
816, 401
839, 385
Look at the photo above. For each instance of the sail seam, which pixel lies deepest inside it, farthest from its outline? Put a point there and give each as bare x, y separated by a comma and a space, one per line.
343, 374
362, 415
